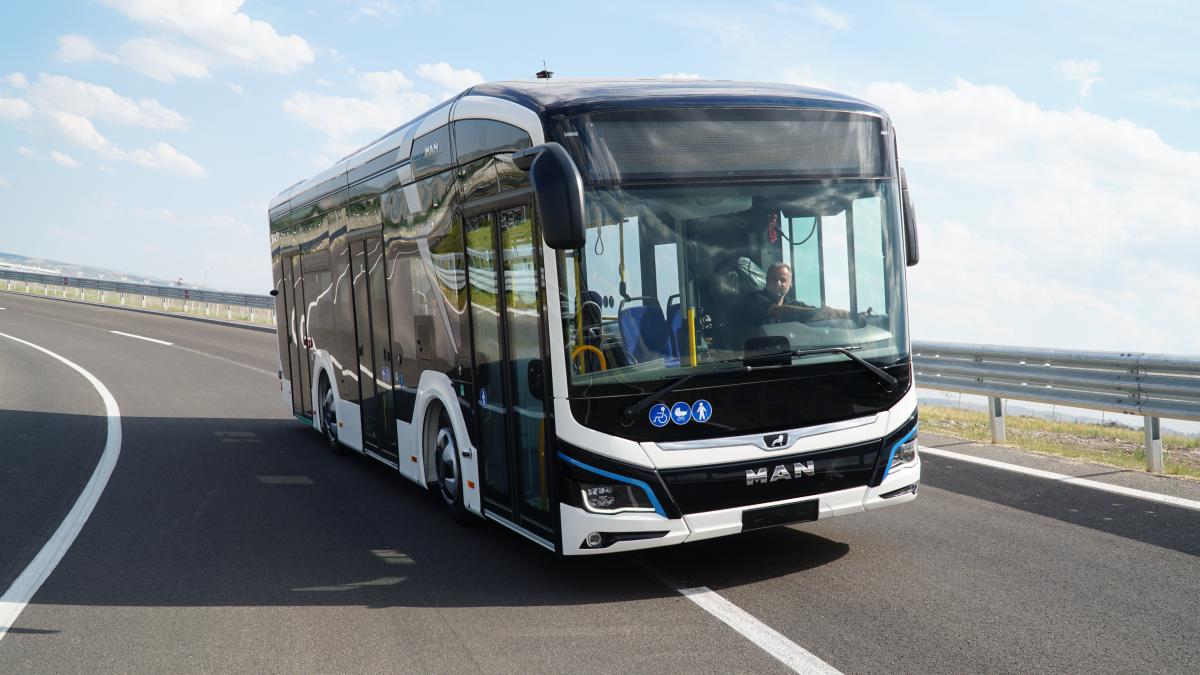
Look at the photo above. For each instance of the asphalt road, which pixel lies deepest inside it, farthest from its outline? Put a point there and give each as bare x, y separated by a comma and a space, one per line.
229, 538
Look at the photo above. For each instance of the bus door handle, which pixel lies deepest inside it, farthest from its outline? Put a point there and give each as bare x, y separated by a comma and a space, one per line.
466, 452
360, 351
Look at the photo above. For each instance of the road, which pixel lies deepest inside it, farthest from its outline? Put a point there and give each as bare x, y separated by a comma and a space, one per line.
229, 538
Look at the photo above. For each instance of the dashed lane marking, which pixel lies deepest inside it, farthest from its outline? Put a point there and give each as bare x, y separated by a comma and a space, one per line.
143, 337
770, 640
1070, 480
285, 480
14, 600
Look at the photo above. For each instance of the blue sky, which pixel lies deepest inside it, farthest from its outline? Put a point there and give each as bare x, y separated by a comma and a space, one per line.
1052, 148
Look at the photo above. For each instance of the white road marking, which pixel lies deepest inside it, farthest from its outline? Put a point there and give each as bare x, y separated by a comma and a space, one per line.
772, 641
142, 337
14, 600
1070, 480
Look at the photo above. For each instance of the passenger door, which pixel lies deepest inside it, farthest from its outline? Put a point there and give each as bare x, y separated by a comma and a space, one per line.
299, 363
374, 346
503, 265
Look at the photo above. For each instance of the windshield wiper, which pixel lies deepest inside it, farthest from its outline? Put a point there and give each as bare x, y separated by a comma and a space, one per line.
889, 383
629, 413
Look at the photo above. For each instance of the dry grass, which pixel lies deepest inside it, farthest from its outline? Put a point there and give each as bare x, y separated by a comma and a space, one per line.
1106, 443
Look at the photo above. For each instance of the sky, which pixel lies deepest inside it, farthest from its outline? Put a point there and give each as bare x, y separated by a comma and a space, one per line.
1052, 148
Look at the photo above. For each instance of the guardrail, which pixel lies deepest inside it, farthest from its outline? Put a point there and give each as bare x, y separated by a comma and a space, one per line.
210, 303
1151, 385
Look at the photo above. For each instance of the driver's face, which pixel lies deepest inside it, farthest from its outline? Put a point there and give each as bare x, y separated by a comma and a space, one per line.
779, 282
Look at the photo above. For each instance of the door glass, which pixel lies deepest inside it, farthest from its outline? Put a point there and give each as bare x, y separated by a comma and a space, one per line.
489, 399
381, 339
521, 300
299, 311
366, 361
289, 320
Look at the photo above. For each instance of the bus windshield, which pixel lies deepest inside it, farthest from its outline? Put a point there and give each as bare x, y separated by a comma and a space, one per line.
689, 279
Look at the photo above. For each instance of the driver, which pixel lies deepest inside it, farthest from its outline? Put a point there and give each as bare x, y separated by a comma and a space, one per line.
772, 304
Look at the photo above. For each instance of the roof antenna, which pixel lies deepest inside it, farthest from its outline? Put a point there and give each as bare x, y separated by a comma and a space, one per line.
545, 73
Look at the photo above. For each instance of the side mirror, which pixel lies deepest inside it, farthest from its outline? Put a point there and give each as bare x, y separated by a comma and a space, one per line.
559, 189
912, 251
274, 292
536, 377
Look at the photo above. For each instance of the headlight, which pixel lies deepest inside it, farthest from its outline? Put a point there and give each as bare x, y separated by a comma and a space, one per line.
904, 455
615, 498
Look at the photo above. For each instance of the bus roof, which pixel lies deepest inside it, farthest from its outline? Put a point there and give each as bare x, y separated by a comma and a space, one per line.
547, 97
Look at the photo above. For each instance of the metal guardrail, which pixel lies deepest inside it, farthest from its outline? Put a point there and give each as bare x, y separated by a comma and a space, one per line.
1151, 385
11, 278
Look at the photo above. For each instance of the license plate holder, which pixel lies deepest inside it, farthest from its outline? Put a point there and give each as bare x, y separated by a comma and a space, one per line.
784, 514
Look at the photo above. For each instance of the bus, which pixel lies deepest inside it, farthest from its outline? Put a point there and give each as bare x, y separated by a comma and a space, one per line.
612, 315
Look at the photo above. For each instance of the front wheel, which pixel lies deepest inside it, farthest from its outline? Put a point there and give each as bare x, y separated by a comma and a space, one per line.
449, 470
328, 411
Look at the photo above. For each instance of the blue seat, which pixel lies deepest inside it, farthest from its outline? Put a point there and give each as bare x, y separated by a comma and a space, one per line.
644, 331
674, 326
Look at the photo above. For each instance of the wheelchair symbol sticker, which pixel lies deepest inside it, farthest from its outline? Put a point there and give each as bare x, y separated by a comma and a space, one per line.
659, 415
681, 413
701, 411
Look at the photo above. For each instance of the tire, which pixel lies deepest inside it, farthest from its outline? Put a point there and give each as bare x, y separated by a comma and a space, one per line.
328, 413
444, 451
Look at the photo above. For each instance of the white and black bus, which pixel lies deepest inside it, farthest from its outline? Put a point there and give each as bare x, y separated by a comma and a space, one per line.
612, 315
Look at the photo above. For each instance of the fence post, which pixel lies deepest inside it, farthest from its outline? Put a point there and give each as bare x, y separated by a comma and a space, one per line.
1154, 449
996, 417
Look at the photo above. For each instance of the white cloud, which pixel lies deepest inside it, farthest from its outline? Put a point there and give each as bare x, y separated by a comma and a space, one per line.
219, 26
375, 9
1085, 72
26, 152
236, 88
58, 92
389, 100
452, 80
1183, 97
80, 131
64, 159
156, 213
322, 82
164, 60
106, 168
74, 48
1045, 227
14, 109
819, 13
680, 76
4, 182
15, 80
803, 75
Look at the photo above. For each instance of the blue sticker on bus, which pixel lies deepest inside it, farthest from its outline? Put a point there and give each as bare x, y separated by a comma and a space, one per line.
681, 413
660, 415
701, 411
482, 396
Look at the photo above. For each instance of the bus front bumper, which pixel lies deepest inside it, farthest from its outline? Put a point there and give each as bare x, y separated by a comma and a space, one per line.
586, 533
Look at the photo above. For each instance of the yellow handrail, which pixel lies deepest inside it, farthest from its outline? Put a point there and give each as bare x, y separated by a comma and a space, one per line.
582, 348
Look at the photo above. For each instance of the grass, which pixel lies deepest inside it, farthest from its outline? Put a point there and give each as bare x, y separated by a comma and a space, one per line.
1109, 443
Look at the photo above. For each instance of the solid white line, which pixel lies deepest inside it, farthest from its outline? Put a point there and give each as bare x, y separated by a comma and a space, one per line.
772, 641
13, 602
142, 337
1070, 480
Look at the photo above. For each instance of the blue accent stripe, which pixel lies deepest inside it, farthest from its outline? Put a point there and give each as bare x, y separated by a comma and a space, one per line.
888, 467
631, 481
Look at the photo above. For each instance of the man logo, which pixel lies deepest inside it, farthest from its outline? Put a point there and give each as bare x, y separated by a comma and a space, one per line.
799, 470
776, 441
